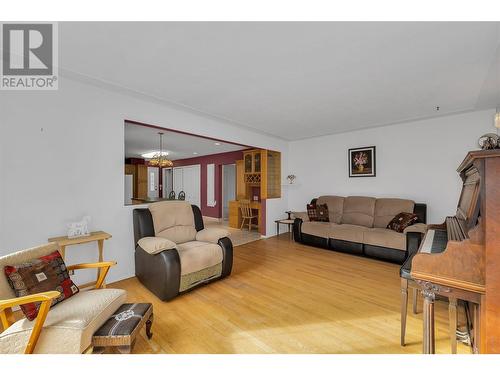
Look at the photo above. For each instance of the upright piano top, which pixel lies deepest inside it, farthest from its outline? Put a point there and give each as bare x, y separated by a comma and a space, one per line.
478, 154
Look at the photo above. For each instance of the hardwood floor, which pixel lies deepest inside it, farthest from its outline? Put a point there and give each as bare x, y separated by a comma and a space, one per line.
283, 297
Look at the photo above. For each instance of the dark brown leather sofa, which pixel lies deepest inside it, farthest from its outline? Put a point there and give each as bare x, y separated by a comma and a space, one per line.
358, 226
174, 253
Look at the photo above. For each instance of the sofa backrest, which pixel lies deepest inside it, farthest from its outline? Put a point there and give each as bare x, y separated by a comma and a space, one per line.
335, 206
387, 208
173, 220
359, 211
20, 257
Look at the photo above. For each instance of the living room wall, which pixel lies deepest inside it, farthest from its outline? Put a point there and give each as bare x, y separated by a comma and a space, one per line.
415, 160
61, 157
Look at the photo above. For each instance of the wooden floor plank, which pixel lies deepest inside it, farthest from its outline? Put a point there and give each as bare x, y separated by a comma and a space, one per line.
284, 297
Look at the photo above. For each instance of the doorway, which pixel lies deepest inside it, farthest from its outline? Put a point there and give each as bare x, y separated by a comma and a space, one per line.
228, 188
188, 180
153, 181
168, 184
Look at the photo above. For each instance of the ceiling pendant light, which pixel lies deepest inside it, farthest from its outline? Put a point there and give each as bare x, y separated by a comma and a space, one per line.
159, 159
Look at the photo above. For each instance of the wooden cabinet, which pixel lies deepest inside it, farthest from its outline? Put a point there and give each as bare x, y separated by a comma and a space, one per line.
262, 169
248, 160
142, 181
240, 180
234, 214
253, 161
271, 184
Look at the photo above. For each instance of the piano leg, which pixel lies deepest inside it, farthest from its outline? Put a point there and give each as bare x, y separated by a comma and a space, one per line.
404, 308
428, 342
415, 300
452, 309
476, 328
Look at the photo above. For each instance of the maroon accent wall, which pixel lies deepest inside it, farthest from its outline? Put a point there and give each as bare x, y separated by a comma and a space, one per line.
219, 160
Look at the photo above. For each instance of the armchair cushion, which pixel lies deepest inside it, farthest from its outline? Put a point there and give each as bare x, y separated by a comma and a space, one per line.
212, 235
155, 245
197, 255
38, 275
173, 220
69, 326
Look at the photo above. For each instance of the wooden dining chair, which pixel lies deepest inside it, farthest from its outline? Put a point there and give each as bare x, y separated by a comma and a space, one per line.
171, 195
246, 214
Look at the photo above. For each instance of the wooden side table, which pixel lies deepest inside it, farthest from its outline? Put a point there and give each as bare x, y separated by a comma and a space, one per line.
99, 237
288, 222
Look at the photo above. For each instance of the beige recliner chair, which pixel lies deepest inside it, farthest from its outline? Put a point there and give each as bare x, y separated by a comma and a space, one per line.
66, 328
174, 252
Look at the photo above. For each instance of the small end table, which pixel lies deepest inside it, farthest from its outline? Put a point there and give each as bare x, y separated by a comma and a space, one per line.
99, 237
288, 222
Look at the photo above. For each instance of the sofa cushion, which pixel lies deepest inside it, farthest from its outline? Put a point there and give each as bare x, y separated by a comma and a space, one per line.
387, 208
197, 255
385, 238
69, 326
359, 211
335, 206
173, 220
39, 275
347, 232
316, 228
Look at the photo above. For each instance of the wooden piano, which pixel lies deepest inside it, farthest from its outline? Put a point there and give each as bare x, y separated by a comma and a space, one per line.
460, 259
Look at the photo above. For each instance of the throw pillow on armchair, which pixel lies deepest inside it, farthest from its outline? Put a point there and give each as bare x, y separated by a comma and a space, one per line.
40, 275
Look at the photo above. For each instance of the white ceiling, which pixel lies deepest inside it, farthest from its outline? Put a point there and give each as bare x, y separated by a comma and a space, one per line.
141, 139
296, 80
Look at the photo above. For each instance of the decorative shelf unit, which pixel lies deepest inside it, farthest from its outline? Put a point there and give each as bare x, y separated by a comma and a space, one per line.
261, 169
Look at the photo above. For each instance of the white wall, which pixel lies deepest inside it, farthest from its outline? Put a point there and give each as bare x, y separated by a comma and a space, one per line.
416, 160
61, 157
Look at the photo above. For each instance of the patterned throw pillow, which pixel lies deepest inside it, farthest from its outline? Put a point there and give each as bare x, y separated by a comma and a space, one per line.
401, 221
312, 212
322, 212
40, 275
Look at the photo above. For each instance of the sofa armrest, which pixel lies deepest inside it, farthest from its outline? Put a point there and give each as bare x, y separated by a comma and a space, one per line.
300, 215
297, 229
414, 234
212, 235
227, 256
416, 228
155, 245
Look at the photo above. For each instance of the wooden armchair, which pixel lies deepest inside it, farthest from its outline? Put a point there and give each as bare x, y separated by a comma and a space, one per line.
69, 326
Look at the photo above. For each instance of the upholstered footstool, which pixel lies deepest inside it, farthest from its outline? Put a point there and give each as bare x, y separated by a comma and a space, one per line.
121, 329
